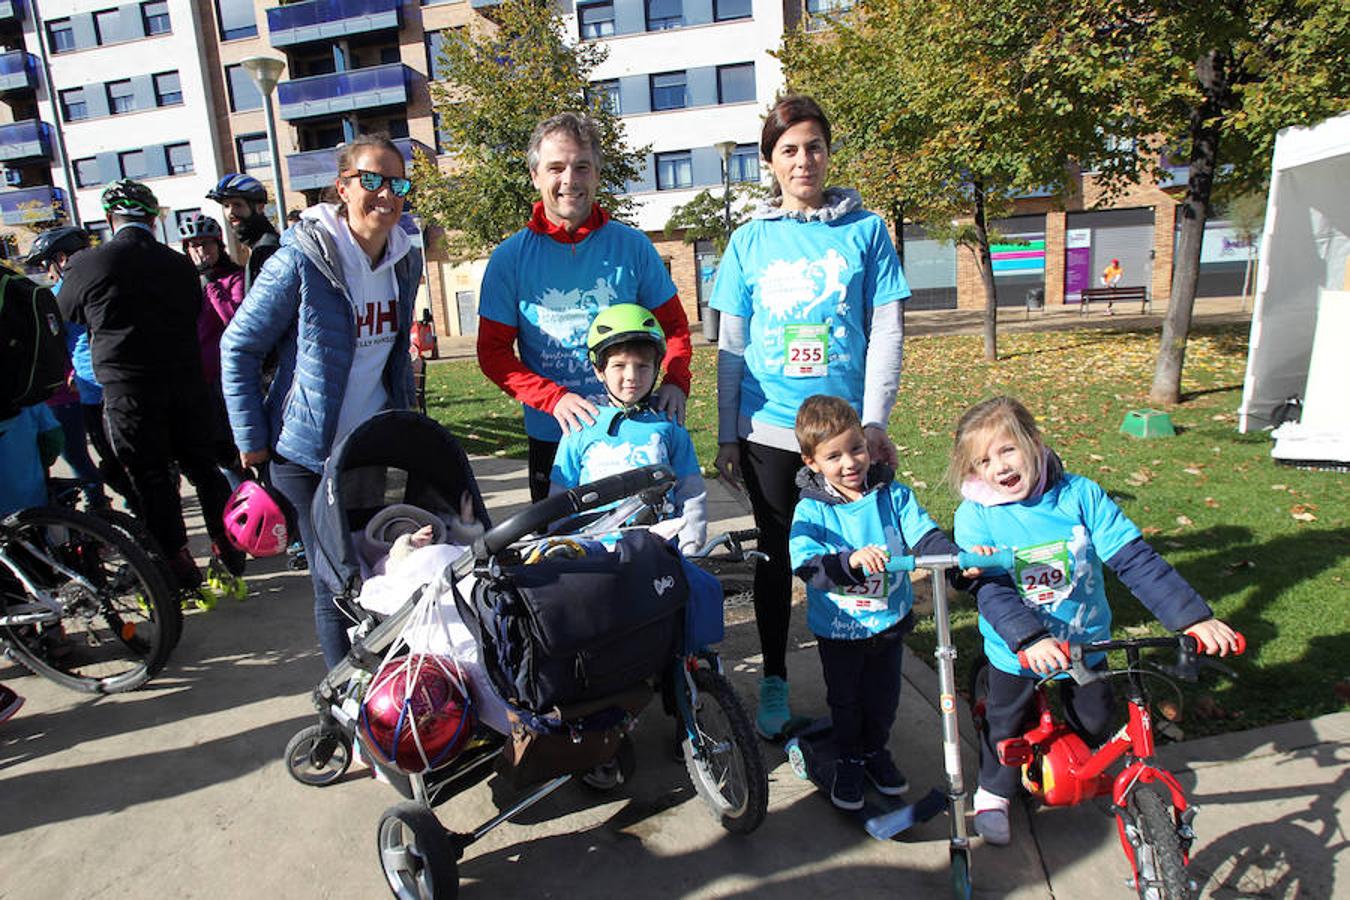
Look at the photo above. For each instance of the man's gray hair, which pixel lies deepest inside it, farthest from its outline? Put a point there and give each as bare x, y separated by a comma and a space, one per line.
578, 126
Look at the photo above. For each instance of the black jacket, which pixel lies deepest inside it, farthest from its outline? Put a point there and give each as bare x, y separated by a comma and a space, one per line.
140, 300
258, 254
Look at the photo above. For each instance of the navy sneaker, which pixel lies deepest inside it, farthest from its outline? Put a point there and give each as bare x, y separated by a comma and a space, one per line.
847, 791
885, 777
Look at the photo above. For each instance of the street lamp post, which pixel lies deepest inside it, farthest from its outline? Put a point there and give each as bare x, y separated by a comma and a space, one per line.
265, 72
724, 150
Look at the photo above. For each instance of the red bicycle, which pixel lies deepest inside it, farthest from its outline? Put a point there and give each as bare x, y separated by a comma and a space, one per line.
1152, 815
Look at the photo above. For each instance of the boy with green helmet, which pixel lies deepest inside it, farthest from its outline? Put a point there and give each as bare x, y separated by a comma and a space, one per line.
625, 344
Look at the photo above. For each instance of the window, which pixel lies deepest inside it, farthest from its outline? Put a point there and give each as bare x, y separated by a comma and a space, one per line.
819, 12
669, 91
107, 26
736, 84
87, 172
243, 92
596, 19
121, 97
744, 163
663, 14
168, 89
60, 35
73, 107
604, 95
182, 215
444, 142
179, 158
236, 20
436, 41
731, 9
99, 232
132, 164
253, 151
156, 17
674, 170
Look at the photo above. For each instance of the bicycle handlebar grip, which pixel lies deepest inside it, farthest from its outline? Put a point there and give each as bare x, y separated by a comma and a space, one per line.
900, 564
578, 499
1001, 559
1062, 645
1241, 642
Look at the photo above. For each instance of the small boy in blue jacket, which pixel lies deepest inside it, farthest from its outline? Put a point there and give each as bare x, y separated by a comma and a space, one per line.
852, 517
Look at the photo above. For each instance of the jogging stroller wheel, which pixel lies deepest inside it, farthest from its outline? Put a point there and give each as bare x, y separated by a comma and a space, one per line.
616, 772
318, 756
722, 756
419, 859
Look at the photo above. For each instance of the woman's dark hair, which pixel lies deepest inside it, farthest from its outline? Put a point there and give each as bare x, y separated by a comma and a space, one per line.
347, 153
785, 113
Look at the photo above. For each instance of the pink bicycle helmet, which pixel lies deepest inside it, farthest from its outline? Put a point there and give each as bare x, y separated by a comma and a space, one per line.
254, 521
417, 715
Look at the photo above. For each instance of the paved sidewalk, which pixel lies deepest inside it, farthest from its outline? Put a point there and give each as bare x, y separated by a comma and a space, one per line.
178, 790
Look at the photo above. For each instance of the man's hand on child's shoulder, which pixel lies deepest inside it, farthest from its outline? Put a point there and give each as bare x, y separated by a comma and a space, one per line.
1216, 637
670, 400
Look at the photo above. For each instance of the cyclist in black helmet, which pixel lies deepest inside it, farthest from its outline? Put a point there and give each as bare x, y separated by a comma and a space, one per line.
242, 199
140, 301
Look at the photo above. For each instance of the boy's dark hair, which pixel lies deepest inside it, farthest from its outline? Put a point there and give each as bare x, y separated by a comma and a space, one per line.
647, 348
821, 417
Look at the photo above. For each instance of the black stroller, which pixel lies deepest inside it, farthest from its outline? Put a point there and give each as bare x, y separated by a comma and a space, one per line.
503, 588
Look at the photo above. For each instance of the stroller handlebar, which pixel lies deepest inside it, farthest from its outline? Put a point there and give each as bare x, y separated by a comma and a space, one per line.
585, 497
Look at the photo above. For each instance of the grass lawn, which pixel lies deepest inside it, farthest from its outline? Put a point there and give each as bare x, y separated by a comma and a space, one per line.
1267, 546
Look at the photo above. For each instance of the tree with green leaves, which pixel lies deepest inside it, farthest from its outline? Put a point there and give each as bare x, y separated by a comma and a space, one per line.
950, 108
500, 80
1214, 83
704, 217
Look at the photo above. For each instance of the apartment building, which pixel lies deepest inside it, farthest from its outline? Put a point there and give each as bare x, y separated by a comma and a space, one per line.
91, 93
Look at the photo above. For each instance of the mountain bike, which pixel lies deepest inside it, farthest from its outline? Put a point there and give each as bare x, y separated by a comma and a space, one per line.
81, 603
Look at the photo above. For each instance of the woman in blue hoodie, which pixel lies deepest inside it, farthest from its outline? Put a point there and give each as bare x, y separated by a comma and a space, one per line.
336, 304
810, 295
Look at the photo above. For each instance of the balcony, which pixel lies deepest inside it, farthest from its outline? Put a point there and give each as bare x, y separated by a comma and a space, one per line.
28, 206
342, 92
11, 12
17, 71
326, 20
24, 141
316, 169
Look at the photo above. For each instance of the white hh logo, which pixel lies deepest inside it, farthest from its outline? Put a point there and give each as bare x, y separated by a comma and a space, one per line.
661, 585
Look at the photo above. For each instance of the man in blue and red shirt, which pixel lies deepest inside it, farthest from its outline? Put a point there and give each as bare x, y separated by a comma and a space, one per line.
545, 283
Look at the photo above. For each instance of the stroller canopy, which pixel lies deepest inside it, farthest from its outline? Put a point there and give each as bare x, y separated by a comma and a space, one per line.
394, 457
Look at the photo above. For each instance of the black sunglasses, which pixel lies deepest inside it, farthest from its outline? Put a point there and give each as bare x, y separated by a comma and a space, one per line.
372, 181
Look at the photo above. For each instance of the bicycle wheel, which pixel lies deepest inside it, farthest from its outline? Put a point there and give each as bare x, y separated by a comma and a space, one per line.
118, 616
724, 762
133, 528
1160, 866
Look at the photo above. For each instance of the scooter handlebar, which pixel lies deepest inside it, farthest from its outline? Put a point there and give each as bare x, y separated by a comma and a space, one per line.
966, 559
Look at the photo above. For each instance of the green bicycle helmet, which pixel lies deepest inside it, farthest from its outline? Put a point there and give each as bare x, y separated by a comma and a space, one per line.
131, 199
621, 324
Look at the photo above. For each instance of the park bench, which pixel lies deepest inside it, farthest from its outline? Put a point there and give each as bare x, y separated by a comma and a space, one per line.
1116, 295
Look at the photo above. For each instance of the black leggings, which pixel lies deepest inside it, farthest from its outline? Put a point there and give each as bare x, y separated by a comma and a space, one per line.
771, 480
540, 467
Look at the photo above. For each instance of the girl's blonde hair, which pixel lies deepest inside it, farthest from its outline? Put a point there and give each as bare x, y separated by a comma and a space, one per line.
994, 416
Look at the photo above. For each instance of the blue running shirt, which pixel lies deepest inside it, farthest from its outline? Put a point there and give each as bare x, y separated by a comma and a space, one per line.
550, 291
1059, 540
889, 516
806, 291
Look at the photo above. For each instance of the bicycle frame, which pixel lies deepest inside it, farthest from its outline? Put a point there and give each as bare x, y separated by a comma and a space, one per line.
45, 608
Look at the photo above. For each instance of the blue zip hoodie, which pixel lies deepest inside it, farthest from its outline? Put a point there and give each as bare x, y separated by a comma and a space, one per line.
300, 305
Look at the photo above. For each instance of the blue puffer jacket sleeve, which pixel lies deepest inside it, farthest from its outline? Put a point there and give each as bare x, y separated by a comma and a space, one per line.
268, 313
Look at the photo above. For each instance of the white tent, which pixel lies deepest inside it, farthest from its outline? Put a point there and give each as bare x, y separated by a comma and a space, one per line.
1300, 339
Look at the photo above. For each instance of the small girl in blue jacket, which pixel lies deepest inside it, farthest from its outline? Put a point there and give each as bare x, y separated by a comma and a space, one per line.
852, 517
1062, 527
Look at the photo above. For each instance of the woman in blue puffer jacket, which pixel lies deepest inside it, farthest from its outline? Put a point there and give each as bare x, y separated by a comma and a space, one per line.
336, 304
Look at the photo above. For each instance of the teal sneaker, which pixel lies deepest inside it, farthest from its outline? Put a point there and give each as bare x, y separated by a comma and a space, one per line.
774, 713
